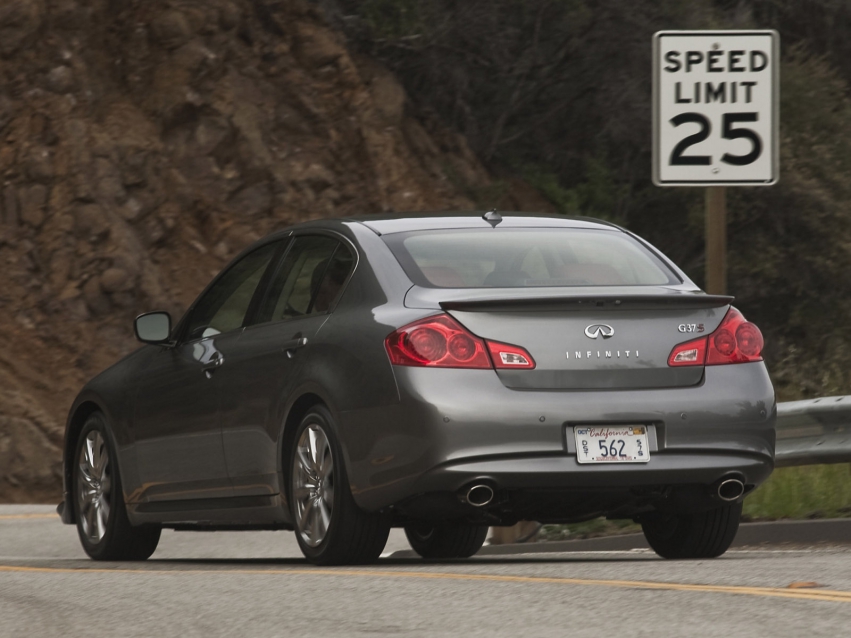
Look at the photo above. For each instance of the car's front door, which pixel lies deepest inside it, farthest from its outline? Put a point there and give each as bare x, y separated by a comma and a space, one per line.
272, 355
176, 425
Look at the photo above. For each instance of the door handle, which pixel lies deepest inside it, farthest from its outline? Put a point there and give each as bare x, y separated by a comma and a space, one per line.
294, 344
215, 361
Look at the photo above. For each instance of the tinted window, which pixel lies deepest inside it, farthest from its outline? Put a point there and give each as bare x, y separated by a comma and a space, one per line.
309, 280
510, 257
224, 306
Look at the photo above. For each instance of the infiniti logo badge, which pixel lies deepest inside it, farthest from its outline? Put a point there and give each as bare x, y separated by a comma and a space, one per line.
595, 330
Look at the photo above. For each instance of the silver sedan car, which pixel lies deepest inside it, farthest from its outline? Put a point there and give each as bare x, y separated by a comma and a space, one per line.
437, 372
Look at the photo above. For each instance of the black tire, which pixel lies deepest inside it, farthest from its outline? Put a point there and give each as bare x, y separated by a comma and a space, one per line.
352, 536
446, 540
115, 538
702, 535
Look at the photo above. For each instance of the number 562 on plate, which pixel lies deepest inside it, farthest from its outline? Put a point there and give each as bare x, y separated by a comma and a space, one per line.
611, 444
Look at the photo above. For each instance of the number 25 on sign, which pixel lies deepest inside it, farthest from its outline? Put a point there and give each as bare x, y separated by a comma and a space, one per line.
715, 108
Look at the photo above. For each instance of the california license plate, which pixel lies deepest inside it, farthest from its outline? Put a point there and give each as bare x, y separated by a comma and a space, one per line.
611, 444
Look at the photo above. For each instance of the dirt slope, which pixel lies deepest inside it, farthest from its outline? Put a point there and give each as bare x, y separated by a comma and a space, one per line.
142, 144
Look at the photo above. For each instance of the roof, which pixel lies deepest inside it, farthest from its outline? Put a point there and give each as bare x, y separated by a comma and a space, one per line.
386, 224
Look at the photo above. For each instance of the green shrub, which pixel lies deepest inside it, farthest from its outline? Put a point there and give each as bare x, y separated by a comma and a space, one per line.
815, 491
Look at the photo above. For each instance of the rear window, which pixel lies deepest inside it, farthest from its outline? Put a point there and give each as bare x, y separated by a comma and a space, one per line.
523, 258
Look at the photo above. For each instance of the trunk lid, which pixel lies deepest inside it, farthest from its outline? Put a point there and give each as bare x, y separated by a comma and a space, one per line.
588, 339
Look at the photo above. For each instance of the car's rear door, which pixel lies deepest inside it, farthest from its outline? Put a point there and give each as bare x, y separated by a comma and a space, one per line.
176, 424
273, 356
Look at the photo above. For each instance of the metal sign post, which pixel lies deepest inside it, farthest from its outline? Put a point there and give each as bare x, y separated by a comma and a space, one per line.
716, 240
716, 121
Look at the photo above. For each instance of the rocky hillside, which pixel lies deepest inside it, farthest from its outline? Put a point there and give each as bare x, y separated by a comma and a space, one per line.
142, 144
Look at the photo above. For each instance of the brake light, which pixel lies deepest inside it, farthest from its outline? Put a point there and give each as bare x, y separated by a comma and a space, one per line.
734, 341
442, 342
439, 342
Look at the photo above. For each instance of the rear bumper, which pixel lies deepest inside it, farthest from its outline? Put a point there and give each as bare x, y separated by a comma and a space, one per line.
454, 427
558, 490
563, 472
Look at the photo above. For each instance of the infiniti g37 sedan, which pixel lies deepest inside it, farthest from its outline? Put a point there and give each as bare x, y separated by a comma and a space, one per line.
439, 372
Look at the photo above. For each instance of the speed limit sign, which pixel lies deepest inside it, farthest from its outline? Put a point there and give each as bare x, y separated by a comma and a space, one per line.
715, 108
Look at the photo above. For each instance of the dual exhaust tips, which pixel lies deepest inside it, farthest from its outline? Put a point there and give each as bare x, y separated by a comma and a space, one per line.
727, 489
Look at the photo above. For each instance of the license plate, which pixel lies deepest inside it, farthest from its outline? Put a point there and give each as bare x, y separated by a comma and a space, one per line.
611, 444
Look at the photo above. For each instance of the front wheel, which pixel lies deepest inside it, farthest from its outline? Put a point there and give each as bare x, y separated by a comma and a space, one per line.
446, 540
702, 535
102, 524
330, 528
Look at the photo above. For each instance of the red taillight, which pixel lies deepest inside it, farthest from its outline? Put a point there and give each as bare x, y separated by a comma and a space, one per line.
442, 342
508, 357
438, 341
749, 339
735, 341
690, 353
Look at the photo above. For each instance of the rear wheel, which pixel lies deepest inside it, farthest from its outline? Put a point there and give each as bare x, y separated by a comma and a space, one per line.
331, 529
702, 535
446, 540
102, 524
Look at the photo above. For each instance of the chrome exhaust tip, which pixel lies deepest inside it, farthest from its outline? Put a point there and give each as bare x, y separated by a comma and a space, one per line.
730, 489
479, 495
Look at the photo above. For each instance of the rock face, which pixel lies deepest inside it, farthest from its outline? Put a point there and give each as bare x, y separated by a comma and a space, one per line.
142, 144
29, 445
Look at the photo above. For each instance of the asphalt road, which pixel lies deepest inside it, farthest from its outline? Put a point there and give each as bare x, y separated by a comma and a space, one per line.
255, 584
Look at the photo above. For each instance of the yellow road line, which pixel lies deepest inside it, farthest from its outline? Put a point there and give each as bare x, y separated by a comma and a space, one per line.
4, 517
771, 592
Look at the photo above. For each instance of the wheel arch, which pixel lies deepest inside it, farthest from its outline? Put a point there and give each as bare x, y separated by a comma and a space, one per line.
298, 407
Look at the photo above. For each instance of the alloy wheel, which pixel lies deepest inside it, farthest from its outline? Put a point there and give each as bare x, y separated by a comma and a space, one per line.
313, 485
94, 486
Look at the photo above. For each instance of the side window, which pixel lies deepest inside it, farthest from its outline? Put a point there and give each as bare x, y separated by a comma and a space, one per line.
309, 280
224, 306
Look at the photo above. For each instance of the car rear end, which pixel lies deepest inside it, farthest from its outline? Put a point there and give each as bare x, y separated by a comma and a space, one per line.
561, 373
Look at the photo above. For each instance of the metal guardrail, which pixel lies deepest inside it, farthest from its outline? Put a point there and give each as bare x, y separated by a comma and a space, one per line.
814, 431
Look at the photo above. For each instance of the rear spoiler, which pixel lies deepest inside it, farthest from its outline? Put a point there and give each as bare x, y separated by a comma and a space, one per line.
590, 302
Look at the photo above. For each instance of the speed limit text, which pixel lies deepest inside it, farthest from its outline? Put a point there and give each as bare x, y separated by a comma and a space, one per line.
715, 61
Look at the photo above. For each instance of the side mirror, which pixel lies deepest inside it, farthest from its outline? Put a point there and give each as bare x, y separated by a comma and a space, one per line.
153, 327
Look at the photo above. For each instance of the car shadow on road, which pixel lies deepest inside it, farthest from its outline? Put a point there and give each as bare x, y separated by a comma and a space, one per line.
399, 562
301, 565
